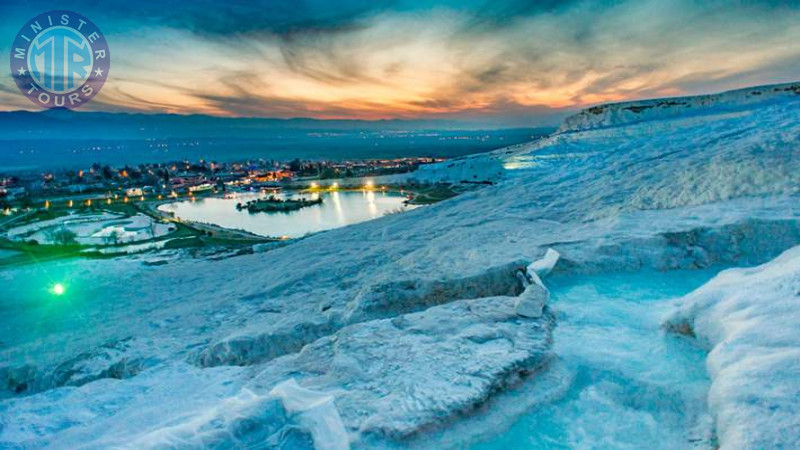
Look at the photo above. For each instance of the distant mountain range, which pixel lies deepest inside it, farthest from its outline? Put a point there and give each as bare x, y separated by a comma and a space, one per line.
66, 124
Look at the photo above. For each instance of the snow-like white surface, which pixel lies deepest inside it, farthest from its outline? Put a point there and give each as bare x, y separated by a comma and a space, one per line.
531, 302
667, 193
94, 228
317, 413
749, 319
542, 267
638, 111
630, 386
393, 377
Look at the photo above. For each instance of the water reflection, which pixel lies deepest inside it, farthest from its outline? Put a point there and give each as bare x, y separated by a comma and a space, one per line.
373, 208
337, 206
337, 210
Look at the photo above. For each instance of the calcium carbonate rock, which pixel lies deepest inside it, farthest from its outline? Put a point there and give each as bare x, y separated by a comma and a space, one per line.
749, 319
544, 266
533, 299
393, 378
616, 114
316, 412
530, 303
17, 379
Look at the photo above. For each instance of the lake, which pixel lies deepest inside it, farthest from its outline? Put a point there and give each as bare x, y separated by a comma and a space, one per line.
338, 209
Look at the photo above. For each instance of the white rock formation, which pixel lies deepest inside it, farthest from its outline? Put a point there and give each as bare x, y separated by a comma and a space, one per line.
749, 319
393, 378
531, 302
316, 411
542, 267
617, 114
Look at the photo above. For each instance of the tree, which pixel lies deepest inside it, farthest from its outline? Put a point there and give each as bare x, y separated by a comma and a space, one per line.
26, 203
61, 236
113, 238
327, 172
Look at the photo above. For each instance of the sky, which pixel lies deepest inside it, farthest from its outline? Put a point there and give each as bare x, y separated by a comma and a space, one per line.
497, 62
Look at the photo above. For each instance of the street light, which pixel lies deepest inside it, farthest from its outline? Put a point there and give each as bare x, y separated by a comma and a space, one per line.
58, 289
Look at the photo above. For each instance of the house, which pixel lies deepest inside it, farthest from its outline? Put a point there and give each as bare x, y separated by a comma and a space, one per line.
134, 192
12, 193
200, 188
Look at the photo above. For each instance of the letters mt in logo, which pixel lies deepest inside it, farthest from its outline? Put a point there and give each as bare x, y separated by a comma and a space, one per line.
60, 59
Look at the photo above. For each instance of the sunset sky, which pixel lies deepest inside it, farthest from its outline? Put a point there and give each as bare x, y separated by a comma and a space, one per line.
496, 61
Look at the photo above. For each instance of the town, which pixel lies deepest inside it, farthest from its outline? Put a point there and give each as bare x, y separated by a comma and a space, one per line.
182, 178
103, 211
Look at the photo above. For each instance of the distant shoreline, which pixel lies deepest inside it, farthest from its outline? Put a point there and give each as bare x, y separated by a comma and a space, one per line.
59, 153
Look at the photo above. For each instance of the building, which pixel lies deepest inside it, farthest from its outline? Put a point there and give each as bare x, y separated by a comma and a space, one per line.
12, 193
134, 192
200, 188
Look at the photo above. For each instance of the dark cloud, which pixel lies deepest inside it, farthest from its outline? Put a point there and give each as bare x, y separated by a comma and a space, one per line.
283, 17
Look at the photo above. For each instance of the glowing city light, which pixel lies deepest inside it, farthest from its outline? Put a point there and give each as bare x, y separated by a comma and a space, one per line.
58, 289
334, 186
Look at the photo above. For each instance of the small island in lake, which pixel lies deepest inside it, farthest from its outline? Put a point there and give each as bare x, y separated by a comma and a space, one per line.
274, 204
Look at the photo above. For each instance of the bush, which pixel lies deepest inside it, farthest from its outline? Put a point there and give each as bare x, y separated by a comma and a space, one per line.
62, 236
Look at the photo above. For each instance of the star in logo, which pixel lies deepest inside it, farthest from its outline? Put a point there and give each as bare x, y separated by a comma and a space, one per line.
22, 71
98, 72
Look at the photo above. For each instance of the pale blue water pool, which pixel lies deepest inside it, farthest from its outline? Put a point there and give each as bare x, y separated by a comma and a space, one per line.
338, 209
629, 384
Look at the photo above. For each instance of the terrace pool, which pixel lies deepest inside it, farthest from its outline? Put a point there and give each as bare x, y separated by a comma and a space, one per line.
619, 381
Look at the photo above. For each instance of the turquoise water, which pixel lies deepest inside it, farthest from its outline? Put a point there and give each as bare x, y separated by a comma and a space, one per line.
620, 381
629, 384
338, 209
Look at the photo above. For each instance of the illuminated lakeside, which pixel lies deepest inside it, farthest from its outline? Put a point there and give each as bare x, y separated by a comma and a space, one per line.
338, 209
